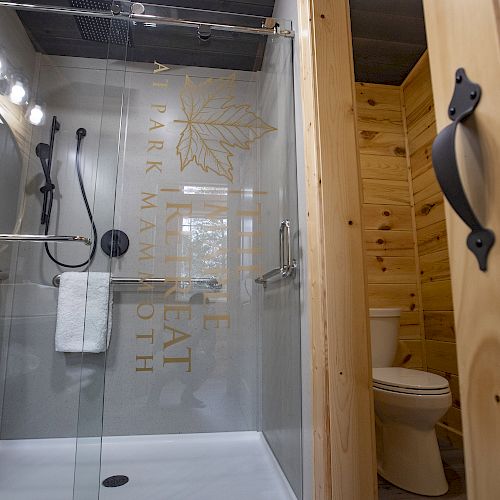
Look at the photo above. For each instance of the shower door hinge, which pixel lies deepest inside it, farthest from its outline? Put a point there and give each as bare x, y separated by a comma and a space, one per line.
270, 23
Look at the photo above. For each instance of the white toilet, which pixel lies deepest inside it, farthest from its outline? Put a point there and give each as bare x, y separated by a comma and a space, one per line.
408, 404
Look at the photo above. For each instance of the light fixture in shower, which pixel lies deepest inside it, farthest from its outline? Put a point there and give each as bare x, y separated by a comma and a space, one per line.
18, 93
35, 114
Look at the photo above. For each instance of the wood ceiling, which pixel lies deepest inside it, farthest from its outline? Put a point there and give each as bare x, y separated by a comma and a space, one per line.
388, 36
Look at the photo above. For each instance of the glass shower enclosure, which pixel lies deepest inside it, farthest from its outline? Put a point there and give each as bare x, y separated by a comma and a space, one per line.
149, 287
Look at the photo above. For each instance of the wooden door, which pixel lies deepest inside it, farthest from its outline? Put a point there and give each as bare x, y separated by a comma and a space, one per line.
465, 33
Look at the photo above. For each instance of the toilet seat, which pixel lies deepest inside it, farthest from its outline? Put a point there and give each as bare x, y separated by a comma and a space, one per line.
408, 381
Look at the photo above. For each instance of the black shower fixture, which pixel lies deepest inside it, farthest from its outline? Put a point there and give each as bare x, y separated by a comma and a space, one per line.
44, 152
103, 30
114, 243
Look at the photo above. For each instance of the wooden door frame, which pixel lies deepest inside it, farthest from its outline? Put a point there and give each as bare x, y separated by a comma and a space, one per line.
344, 460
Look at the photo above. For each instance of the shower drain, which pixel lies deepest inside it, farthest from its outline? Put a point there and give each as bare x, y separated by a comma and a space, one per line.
115, 481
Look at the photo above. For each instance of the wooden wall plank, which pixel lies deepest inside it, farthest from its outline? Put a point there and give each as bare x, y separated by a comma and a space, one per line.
410, 326
435, 266
381, 143
422, 139
425, 126
386, 192
416, 87
409, 354
409, 318
378, 99
441, 356
389, 243
421, 117
387, 217
379, 124
425, 184
383, 167
410, 332
429, 210
425, 191
436, 296
439, 325
432, 238
390, 269
393, 295
379, 111
421, 158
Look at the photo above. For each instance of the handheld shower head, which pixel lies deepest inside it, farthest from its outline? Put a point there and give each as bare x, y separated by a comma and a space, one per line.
43, 151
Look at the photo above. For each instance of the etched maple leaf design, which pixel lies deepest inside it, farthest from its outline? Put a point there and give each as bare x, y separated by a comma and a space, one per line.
215, 126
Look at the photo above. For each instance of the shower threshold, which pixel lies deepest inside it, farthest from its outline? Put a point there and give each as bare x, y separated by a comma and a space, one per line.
211, 466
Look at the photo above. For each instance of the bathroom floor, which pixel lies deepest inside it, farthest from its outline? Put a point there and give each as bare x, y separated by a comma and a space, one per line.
453, 460
221, 466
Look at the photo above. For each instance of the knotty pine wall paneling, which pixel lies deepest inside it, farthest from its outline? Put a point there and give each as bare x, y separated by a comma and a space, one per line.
390, 252
406, 251
433, 261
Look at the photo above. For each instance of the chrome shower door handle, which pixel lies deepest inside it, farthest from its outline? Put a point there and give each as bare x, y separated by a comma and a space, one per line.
282, 247
288, 264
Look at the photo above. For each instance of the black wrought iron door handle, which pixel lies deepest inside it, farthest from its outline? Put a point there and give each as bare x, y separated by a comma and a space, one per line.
463, 103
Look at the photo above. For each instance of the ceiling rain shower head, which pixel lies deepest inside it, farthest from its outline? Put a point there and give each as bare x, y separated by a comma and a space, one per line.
96, 29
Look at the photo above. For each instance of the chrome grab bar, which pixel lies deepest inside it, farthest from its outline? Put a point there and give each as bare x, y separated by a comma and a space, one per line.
42, 238
185, 283
288, 264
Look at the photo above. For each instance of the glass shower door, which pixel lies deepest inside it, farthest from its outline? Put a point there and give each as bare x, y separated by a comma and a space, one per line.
203, 373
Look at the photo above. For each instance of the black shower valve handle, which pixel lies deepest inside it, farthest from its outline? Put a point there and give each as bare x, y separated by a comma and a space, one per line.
114, 243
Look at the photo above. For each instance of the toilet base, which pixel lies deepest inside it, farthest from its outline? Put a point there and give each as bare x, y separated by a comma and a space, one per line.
410, 458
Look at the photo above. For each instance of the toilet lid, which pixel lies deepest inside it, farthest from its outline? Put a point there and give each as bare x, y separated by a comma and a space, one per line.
409, 381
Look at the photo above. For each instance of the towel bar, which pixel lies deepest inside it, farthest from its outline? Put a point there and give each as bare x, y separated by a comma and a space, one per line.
119, 280
42, 238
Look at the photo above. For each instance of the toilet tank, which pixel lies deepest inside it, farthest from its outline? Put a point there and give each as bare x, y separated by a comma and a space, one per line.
384, 328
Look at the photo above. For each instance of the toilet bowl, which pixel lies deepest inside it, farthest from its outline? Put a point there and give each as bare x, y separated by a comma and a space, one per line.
408, 453
408, 404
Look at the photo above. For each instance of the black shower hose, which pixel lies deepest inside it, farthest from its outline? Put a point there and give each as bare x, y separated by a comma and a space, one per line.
80, 134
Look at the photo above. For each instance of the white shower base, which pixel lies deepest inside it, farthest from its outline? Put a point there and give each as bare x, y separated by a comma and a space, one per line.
216, 466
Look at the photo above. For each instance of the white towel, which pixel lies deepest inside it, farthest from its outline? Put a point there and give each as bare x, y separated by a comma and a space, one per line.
84, 312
